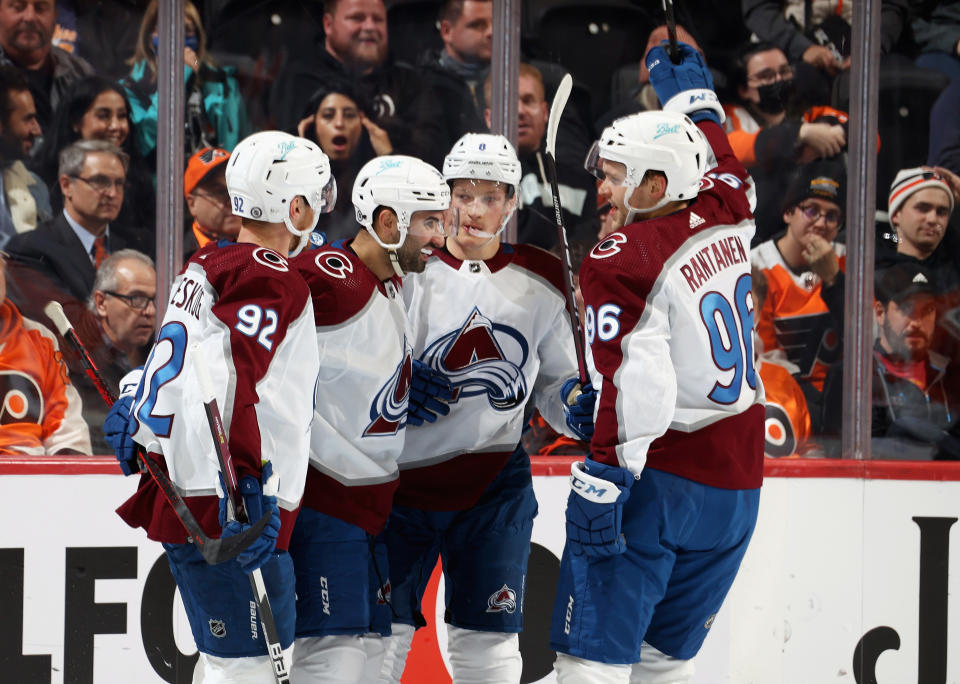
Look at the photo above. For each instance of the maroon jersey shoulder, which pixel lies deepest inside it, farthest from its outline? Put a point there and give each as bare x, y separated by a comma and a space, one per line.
251, 274
635, 256
340, 283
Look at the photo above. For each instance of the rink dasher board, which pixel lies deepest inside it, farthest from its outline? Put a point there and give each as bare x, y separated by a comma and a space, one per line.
844, 552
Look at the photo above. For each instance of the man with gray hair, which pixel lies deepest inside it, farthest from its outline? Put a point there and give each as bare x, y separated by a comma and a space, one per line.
117, 327
68, 249
122, 303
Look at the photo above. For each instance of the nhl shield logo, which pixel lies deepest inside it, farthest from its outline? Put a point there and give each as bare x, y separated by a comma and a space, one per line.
502, 600
218, 628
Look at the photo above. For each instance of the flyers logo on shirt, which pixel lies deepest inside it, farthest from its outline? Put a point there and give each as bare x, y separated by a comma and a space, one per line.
388, 412
482, 358
22, 399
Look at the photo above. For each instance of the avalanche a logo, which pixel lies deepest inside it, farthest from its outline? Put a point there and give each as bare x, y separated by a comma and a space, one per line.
482, 358
503, 600
384, 594
388, 412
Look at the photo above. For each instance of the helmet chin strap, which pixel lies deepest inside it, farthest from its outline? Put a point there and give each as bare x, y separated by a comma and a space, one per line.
303, 236
633, 211
302, 242
391, 248
395, 262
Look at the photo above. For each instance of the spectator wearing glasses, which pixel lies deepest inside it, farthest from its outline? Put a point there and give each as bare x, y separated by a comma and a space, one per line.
767, 137
59, 259
97, 109
205, 188
117, 328
800, 321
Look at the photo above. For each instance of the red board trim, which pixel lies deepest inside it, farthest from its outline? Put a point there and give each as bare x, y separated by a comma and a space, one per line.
807, 467
559, 466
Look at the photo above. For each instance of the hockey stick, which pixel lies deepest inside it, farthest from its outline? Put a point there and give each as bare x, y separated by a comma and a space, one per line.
556, 111
213, 550
270, 634
672, 49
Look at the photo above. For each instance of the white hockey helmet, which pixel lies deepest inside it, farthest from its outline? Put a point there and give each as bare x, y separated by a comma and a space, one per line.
403, 184
668, 142
268, 169
483, 156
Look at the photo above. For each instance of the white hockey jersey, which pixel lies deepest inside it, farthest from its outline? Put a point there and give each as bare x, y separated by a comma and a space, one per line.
244, 313
361, 397
669, 321
499, 330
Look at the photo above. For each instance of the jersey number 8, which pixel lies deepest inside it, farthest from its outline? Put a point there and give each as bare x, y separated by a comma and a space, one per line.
732, 349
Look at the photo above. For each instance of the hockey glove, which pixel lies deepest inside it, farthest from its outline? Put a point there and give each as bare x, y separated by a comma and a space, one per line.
595, 509
686, 87
578, 408
256, 502
119, 425
429, 390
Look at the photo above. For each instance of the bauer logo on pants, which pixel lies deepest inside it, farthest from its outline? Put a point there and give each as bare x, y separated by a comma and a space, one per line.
503, 599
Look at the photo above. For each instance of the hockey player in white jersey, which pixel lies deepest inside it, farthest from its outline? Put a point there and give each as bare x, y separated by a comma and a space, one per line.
660, 514
243, 312
359, 417
491, 318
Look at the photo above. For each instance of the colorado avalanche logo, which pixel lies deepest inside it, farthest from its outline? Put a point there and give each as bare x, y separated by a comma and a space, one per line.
384, 594
479, 359
503, 600
388, 412
609, 246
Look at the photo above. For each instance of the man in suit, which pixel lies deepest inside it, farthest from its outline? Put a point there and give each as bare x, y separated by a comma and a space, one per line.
59, 259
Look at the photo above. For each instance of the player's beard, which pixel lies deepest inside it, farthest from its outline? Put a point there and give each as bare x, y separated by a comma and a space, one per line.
408, 256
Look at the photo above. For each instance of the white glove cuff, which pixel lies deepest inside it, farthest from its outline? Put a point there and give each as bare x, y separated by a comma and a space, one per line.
592, 488
690, 101
129, 383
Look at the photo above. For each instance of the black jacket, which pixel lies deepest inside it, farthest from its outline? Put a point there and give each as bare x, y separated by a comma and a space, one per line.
909, 422
54, 252
393, 92
457, 105
536, 219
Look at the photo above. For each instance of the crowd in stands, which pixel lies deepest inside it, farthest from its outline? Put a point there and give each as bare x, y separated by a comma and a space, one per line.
365, 78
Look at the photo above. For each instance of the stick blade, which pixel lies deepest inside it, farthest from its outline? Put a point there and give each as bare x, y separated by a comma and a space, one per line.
55, 313
556, 111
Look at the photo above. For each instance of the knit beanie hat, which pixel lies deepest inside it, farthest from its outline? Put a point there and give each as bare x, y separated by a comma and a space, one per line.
908, 181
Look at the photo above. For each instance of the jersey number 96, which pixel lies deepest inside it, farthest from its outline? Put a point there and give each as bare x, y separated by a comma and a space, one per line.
604, 324
730, 346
